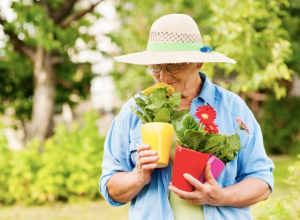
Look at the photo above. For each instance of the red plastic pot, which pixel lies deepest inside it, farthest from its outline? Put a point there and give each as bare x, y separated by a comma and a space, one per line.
187, 161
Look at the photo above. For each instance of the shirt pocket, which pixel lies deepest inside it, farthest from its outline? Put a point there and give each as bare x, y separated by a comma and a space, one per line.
135, 141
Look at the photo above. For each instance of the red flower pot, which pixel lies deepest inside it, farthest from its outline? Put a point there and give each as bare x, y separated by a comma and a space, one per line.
187, 161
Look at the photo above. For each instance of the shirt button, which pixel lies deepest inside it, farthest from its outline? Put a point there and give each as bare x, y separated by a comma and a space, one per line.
207, 212
137, 144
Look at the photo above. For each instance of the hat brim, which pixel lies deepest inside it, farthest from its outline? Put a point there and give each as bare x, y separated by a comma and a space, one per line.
158, 57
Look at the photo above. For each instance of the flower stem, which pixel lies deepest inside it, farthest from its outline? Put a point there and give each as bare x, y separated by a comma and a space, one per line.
201, 126
237, 131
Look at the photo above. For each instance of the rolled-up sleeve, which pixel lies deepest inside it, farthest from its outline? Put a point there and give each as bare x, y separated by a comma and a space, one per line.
115, 157
253, 159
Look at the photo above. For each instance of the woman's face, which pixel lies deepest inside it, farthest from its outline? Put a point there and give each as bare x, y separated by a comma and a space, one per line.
181, 81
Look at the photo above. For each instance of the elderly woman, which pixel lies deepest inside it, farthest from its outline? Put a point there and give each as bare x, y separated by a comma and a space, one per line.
174, 54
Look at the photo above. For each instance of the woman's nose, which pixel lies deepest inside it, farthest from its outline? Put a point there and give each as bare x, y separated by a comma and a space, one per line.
164, 75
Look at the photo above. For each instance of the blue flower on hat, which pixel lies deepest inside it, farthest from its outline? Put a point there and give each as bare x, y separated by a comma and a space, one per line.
206, 49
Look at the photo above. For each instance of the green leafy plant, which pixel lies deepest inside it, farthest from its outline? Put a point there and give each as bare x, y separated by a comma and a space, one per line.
67, 170
158, 104
204, 136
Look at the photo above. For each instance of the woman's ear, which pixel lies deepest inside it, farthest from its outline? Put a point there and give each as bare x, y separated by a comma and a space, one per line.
199, 65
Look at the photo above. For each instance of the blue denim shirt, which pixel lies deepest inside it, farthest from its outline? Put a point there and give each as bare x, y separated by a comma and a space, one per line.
124, 136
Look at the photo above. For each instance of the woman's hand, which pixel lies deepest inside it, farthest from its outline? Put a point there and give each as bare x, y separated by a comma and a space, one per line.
146, 163
124, 186
209, 193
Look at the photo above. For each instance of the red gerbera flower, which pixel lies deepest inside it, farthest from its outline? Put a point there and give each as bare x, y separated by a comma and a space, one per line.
242, 125
211, 128
206, 114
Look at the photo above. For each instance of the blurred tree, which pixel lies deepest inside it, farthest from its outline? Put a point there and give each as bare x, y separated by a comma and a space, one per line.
280, 125
291, 22
36, 67
252, 32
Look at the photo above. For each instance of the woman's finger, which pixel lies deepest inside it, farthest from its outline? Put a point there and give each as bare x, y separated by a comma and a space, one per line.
149, 159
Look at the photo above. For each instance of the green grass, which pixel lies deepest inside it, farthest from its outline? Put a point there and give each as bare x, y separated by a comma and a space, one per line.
281, 173
281, 188
101, 210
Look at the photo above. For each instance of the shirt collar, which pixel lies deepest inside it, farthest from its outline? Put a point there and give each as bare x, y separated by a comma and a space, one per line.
207, 92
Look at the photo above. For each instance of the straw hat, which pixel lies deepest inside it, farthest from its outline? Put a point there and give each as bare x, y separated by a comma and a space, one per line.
175, 38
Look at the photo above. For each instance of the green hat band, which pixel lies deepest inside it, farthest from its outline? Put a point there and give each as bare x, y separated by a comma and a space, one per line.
174, 46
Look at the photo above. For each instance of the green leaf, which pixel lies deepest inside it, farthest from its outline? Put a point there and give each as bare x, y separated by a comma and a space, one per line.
177, 115
151, 107
214, 141
193, 138
232, 146
179, 133
190, 123
140, 102
174, 100
149, 115
144, 97
212, 145
139, 114
215, 149
158, 98
234, 142
163, 116
178, 142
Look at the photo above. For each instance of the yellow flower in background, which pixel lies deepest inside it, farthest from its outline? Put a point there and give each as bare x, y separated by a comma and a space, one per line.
170, 89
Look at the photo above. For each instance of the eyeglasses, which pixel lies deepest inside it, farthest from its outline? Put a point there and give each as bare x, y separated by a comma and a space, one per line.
172, 68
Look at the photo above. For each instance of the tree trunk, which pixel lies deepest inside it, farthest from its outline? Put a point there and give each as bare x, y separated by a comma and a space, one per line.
43, 96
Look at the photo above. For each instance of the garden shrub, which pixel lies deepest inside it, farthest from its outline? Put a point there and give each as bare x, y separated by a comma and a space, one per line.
5, 167
67, 169
281, 126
